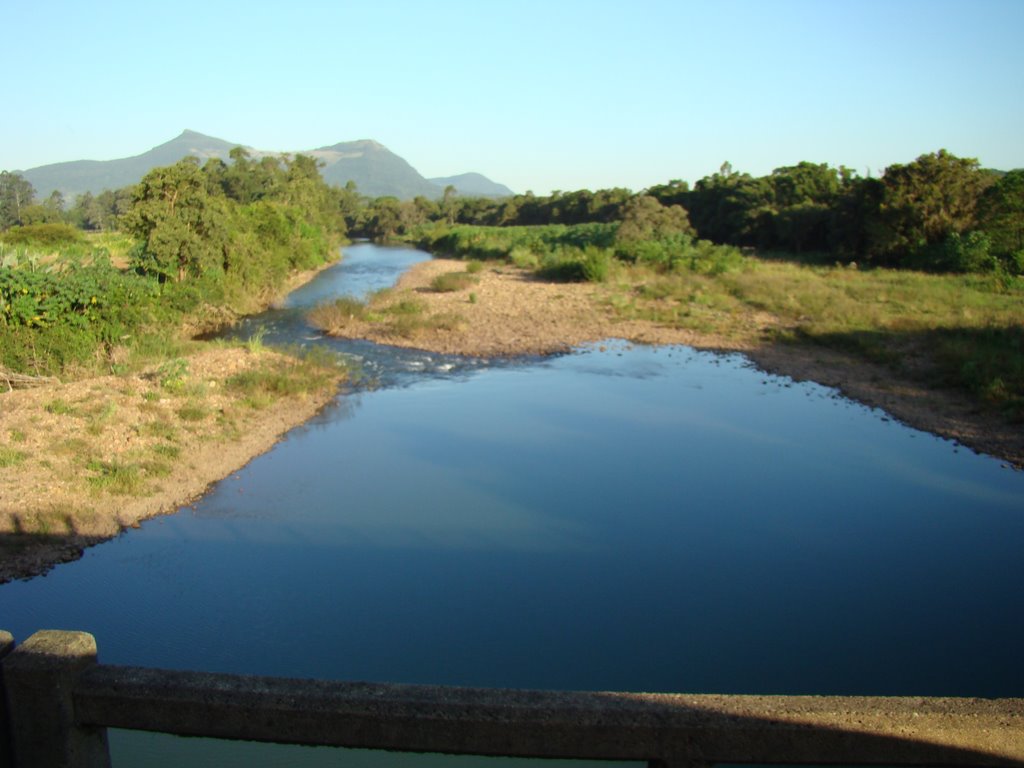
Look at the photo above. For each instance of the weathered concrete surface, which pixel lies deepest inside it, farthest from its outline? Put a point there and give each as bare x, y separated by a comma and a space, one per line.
60, 702
40, 677
667, 729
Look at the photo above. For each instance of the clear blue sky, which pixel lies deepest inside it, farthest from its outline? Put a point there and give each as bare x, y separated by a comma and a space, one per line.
541, 95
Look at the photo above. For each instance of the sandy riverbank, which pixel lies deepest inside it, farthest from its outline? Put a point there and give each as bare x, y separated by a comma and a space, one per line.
89, 458
509, 312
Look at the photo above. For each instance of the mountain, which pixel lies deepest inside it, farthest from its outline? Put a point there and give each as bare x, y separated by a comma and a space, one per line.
473, 185
74, 178
375, 170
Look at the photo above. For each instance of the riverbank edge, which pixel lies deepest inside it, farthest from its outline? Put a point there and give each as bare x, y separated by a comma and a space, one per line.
508, 313
24, 555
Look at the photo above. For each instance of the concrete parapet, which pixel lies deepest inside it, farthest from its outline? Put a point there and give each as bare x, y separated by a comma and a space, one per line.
6, 755
60, 702
665, 729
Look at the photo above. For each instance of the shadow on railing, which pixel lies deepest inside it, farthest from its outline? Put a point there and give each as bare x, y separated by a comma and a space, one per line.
59, 702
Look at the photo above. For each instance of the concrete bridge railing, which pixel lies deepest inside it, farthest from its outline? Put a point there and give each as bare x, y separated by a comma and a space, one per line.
58, 701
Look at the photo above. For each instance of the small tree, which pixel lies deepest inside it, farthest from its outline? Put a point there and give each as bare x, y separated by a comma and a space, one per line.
383, 218
180, 223
644, 218
450, 205
16, 194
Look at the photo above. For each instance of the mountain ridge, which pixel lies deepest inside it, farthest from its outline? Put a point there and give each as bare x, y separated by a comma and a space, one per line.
376, 170
473, 185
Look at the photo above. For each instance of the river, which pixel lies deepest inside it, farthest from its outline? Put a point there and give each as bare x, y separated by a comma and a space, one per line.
618, 518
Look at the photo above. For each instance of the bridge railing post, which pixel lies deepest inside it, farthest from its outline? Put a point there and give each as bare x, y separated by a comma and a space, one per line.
40, 676
6, 755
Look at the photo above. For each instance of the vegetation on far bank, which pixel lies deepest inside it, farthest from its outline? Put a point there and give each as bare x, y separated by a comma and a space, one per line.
938, 213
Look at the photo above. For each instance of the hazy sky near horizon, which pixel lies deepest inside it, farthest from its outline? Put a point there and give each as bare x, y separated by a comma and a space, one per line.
541, 95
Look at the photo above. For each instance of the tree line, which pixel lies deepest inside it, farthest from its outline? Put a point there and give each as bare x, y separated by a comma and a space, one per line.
92, 213
938, 212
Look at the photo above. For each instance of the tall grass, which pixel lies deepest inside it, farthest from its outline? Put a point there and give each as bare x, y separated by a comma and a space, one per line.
10, 457
955, 331
301, 373
337, 314
450, 282
116, 477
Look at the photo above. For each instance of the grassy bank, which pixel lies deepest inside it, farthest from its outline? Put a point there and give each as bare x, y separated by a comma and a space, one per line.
960, 332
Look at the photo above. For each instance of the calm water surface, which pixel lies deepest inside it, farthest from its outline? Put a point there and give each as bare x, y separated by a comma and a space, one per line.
621, 518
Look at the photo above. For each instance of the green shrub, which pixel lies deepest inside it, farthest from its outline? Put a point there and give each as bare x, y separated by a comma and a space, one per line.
453, 281
406, 307
337, 314
52, 235
60, 407
564, 265
1015, 263
193, 412
571, 264
116, 477
10, 457
167, 450
172, 374
596, 264
524, 258
972, 253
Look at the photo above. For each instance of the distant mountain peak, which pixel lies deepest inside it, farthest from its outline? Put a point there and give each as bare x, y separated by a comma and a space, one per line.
376, 170
188, 136
359, 145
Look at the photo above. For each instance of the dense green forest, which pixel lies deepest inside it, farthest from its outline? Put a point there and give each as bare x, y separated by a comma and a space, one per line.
937, 213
